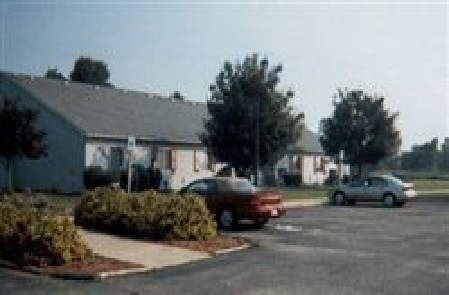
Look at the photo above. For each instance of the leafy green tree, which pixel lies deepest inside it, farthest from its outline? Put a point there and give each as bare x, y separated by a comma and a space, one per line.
19, 136
361, 127
444, 156
53, 73
177, 96
91, 71
423, 157
250, 121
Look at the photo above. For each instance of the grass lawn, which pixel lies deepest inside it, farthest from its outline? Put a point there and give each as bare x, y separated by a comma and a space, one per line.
67, 202
303, 193
322, 192
429, 184
64, 203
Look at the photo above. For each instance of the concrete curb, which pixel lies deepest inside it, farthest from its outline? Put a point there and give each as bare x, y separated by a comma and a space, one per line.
432, 192
106, 274
230, 250
72, 275
114, 273
306, 203
40, 271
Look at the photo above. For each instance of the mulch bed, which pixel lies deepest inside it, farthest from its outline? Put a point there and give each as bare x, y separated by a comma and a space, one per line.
92, 266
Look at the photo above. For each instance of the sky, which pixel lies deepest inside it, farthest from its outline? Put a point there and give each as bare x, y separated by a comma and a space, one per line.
398, 50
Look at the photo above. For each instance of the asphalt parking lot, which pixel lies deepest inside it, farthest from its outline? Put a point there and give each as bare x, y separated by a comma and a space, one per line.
366, 249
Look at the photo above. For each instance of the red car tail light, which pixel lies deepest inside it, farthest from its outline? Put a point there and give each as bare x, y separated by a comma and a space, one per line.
254, 201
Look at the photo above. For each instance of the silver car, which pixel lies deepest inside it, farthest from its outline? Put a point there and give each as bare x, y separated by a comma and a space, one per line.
383, 188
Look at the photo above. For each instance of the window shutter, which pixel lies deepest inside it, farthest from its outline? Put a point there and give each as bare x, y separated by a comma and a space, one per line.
173, 160
195, 161
211, 162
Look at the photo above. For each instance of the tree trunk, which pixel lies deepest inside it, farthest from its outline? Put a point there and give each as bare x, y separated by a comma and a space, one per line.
9, 166
359, 167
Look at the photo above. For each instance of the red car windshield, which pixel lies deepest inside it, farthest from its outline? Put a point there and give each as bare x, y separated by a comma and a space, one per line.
243, 186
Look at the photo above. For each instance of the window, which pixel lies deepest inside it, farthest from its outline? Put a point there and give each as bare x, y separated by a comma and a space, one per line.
243, 186
203, 187
164, 158
298, 164
318, 163
199, 187
173, 160
167, 160
202, 160
379, 182
358, 183
116, 159
154, 154
210, 162
394, 180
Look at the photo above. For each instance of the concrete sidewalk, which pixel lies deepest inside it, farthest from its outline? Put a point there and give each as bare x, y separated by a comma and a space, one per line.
433, 192
305, 202
321, 201
150, 255
154, 255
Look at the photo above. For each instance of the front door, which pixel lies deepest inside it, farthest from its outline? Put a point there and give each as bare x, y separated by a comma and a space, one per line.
375, 189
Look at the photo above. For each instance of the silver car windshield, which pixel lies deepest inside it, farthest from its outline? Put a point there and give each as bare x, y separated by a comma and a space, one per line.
394, 180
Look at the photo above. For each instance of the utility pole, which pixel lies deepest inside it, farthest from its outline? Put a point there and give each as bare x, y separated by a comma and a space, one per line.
341, 156
257, 140
130, 149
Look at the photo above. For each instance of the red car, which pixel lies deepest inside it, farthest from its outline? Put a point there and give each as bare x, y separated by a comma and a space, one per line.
231, 199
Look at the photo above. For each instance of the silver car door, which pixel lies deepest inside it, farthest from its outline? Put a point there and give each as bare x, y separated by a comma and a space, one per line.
380, 185
355, 189
368, 190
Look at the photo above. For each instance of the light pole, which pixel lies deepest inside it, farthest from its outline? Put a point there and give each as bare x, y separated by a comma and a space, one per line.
341, 156
257, 140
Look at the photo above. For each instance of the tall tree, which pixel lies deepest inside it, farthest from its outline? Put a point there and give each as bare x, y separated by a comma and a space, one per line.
91, 71
444, 157
19, 136
361, 127
177, 96
250, 121
53, 73
422, 157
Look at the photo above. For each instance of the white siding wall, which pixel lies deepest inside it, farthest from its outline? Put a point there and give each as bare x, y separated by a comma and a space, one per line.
185, 170
282, 164
310, 175
62, 169
98, 154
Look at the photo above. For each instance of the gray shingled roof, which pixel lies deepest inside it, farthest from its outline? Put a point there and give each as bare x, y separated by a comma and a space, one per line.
308, 143
117, 113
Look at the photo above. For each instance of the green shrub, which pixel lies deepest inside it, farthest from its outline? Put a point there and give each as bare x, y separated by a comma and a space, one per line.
146, 215
37, 237
292, 180
95, 176
142, 178
185, 218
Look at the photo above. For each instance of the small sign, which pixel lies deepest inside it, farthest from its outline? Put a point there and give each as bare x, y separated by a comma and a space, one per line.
341, 155
131, 143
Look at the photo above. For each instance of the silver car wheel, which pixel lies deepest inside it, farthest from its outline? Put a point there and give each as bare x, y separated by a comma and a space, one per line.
340, 198
389, 200
226, 219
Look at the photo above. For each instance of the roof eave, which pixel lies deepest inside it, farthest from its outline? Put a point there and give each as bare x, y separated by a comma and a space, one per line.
142, 139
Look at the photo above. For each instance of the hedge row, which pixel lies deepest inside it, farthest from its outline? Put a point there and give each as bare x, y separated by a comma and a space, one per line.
145, 215
36, 237
142, 178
